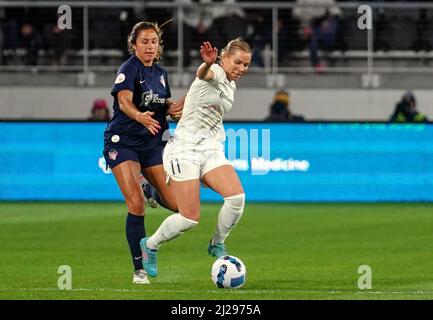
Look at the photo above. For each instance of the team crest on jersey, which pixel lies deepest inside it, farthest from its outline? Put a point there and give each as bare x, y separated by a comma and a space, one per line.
120, 78
162, 80
225, 97
112, 154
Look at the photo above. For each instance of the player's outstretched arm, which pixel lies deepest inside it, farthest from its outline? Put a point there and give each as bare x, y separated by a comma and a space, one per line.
209, 56
128, 107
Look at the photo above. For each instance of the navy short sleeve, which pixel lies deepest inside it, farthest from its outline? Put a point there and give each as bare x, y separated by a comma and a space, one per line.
125, 80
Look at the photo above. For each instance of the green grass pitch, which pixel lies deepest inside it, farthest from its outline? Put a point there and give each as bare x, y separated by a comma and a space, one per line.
291, 251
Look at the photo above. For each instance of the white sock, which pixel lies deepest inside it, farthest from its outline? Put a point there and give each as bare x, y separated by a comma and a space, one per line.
172, 227
228, 217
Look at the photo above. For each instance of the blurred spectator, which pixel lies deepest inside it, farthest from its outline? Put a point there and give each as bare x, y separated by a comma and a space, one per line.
127, 19
405, 110
423, 39
2, 18
1, 45
229, 23
319, 21
10, 33
99, 111
279, 110
289, 39
198, 26
57, 42
260, 25
167, 21
105, 28
31, 41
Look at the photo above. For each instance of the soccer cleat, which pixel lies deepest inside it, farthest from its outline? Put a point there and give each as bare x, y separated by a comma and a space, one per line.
145, 185
140, 277
149, 258
218, 250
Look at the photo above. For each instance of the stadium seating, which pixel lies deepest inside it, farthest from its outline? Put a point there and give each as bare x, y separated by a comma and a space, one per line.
402, 38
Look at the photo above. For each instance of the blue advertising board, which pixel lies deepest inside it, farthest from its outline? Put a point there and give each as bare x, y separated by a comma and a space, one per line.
276, 162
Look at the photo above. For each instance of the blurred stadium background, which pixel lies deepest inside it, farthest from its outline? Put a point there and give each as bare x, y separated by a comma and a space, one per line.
346, 153
40, 64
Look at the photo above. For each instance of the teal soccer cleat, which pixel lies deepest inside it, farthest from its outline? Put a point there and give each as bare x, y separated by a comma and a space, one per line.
218, 250
149, 259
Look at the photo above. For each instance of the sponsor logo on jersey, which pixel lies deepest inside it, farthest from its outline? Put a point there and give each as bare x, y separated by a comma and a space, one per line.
148, 97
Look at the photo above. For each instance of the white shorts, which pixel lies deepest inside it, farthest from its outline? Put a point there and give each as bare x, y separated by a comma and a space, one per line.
186, 161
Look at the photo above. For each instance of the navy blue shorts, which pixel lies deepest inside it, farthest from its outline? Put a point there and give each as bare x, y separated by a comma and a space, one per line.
147, 157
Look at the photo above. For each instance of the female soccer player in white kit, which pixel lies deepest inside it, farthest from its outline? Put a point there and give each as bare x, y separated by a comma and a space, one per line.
195, 153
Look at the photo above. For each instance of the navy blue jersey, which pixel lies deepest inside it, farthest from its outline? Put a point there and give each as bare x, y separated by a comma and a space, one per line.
150, 89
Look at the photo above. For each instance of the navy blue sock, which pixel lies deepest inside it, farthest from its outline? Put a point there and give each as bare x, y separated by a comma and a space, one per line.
134, 233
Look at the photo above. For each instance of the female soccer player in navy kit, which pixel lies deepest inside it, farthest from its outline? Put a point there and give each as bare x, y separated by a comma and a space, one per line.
136, 135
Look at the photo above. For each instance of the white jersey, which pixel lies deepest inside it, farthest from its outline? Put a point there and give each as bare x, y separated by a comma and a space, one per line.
205, 105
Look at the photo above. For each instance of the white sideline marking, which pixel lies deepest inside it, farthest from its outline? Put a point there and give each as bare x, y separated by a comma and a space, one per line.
144, 290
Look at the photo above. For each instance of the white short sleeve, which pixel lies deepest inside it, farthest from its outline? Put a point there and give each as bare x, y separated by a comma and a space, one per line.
219, 73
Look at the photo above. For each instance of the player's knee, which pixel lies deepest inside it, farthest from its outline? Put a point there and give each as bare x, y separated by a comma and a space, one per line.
191, 214
236, 202
135, 203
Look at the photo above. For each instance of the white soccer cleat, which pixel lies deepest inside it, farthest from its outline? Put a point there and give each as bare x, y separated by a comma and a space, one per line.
140, 277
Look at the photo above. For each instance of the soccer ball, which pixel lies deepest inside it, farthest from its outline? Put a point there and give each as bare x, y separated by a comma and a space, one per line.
228, 272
